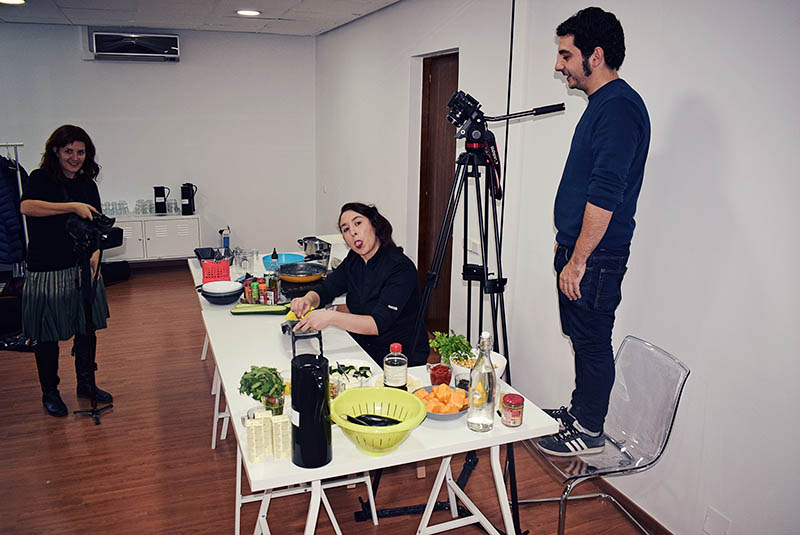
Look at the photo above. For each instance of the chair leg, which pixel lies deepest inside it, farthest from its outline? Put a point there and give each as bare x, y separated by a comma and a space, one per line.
567, 496
562, 506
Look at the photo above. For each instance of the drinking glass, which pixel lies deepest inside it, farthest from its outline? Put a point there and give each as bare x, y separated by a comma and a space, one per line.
245, 261
172, 206
122, 207
255, 259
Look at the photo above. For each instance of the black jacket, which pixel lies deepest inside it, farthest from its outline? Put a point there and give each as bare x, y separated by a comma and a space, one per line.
12, 233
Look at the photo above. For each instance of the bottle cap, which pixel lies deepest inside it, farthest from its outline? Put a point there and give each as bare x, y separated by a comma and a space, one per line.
396, 348
485, 342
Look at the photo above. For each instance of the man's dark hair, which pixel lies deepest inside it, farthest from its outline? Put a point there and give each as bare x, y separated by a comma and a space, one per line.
383, 229
63, 136
593, 27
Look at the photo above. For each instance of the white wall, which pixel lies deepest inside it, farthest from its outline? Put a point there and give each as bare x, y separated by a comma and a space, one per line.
235, 116
710, 277
368, 94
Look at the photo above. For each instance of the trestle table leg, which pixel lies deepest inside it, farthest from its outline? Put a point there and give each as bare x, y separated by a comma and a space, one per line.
329, 510
445, 476
238, 486
215, 382
500, 486
313, 507
262, 528
214, 423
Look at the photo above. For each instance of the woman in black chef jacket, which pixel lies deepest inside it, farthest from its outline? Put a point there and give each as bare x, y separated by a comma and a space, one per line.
52, 307
382, 289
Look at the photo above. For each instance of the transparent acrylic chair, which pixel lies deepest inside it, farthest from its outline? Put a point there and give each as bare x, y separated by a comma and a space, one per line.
644, 400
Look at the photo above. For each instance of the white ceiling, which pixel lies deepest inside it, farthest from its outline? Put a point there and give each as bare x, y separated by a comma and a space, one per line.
285, 17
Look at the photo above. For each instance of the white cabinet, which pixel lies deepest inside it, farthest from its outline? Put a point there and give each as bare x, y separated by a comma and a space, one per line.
156, 237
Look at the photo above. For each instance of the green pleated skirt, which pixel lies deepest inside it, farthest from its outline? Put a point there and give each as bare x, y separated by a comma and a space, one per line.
52, 308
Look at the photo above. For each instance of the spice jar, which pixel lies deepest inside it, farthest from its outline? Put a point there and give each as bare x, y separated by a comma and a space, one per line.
512, 410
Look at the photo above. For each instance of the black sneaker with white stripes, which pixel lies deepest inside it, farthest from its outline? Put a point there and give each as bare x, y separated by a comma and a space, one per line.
570, 442
561, 415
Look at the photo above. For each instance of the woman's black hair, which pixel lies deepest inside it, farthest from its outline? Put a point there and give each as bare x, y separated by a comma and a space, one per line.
63, 136
592, 27
383, 229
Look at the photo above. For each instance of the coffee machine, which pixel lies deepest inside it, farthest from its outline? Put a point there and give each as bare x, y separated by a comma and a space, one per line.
188, 191
160, 201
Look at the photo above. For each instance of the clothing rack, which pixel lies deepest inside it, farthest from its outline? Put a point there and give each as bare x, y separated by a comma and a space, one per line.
18, 269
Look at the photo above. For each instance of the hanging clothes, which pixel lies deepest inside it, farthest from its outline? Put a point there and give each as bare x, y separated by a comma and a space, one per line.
12, 234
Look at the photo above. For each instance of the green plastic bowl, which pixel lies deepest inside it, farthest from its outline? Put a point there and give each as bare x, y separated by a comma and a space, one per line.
391, 402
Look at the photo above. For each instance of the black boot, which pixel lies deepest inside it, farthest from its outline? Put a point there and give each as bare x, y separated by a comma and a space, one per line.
85, 391
84, 346
47, 365
53, 403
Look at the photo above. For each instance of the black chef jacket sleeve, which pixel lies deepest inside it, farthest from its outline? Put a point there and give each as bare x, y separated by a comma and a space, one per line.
400, 285
332, 286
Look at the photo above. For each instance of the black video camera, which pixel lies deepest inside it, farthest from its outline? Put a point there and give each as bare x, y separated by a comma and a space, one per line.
466, 115
97, 233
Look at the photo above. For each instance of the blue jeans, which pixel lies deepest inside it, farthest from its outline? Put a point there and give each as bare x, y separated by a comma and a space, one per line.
588, 322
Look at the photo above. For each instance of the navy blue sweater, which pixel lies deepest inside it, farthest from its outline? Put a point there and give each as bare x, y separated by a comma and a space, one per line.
605, 166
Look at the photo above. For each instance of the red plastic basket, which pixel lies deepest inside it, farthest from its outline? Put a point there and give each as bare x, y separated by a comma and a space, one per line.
216, 271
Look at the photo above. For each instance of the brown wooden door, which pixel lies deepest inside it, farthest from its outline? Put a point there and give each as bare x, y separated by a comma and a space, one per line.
437, 166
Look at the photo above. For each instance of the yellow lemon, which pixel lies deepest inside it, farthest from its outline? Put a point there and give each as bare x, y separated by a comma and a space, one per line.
292, 317
478, 395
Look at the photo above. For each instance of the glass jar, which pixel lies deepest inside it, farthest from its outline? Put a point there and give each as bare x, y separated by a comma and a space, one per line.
513, 405
440, 373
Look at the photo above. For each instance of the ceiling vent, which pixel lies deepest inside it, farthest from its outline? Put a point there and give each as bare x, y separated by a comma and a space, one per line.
135, 46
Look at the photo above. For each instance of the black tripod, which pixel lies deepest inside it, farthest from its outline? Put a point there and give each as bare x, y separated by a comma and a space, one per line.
481, 151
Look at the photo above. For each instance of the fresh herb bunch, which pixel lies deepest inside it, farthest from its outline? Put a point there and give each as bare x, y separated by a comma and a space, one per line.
452, 346
262, 383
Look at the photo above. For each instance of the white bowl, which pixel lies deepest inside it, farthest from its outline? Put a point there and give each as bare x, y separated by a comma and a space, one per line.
460, 372
222, 287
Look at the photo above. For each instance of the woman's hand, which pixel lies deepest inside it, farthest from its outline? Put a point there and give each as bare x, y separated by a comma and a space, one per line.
81, 209
300, 306
316, 321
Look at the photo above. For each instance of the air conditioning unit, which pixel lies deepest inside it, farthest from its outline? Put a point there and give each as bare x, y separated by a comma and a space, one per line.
135, 46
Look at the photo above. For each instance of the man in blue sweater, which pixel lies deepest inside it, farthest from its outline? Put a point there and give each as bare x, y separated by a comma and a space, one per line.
594, 210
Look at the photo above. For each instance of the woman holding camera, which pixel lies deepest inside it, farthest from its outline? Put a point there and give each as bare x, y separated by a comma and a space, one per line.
382, 289
52, 304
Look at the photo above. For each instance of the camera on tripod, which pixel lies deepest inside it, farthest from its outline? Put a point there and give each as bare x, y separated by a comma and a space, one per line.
97, 233
465, 114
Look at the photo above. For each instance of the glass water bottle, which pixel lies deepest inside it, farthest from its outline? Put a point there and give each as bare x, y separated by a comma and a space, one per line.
482, 388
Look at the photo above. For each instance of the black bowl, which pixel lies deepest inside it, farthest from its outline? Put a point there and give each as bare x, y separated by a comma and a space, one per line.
223, 299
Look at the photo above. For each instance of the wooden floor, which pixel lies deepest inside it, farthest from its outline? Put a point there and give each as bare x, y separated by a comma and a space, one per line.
149, 469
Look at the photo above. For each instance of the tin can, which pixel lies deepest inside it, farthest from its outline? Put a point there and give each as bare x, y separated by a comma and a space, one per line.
513, 405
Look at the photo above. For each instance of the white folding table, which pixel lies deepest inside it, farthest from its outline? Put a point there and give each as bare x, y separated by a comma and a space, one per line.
241, 341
